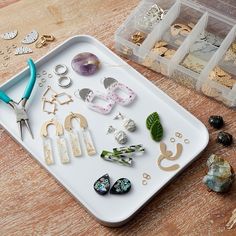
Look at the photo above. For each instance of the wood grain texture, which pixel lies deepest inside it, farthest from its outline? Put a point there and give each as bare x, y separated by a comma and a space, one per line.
32, 203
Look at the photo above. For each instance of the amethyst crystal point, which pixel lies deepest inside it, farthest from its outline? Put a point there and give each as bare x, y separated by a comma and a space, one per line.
102, 185
85, 63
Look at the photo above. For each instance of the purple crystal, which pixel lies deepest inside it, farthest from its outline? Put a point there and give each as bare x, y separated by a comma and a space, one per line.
85, 63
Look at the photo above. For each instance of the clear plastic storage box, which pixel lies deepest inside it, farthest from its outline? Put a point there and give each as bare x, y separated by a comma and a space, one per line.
191, 42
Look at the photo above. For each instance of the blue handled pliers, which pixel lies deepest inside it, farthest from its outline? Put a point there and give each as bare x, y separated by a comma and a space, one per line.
19, 107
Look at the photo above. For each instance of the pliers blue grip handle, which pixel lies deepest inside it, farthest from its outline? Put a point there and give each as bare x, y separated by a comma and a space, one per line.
29, 87
31, 83
4, 97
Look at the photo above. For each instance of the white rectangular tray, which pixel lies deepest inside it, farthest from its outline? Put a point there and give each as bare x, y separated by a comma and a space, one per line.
79, 176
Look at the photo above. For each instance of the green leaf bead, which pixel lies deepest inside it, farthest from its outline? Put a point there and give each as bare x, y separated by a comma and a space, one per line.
156, 131
151, 119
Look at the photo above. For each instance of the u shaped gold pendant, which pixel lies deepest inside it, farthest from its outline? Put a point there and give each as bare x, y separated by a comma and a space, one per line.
60, 140
74, 136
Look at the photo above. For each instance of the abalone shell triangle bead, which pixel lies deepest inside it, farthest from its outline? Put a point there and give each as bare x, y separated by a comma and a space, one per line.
102, 185
121, 186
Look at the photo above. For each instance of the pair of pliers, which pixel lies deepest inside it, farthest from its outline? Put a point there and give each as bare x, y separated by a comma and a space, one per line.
19, 107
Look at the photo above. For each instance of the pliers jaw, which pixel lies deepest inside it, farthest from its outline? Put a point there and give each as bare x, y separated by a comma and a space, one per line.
21, 116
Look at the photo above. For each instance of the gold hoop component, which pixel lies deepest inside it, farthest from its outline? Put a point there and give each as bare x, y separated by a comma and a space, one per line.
178, 135
146, 176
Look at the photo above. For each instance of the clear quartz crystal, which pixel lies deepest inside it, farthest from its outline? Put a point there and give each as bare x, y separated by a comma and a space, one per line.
88, 141
47, 149
62, 150
75, 144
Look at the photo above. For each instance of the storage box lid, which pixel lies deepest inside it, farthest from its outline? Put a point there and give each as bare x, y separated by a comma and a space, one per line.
223, 7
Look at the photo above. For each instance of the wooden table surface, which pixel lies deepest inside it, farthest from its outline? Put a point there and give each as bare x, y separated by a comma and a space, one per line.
32, 203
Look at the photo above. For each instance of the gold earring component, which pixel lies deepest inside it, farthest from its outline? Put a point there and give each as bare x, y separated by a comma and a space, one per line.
49, 94
161, 48
168, 155
43, 40
61, 143
87, 138
63, 98
138, 38
47, 106
74, 136
180, 29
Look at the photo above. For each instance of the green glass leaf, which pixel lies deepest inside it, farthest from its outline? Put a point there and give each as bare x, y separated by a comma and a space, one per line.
151, 119
156, 131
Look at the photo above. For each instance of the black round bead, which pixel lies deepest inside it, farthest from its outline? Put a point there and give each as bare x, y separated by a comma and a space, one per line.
225, 138
216, 121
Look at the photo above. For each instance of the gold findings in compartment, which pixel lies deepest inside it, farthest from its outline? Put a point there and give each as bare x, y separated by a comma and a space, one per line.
47, 143
181, 29
231, 53
161, 48
194, 63
138, 37
220, 76
74, 136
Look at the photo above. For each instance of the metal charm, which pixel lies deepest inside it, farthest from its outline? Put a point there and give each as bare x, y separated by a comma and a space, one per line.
64, 82
31, 37
120, 136
23, 50
128, 124
9, 35
60, 69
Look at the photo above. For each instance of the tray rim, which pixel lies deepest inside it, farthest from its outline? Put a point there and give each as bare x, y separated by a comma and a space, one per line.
150, 86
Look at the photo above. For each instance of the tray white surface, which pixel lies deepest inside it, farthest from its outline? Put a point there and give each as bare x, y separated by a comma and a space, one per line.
80, 174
